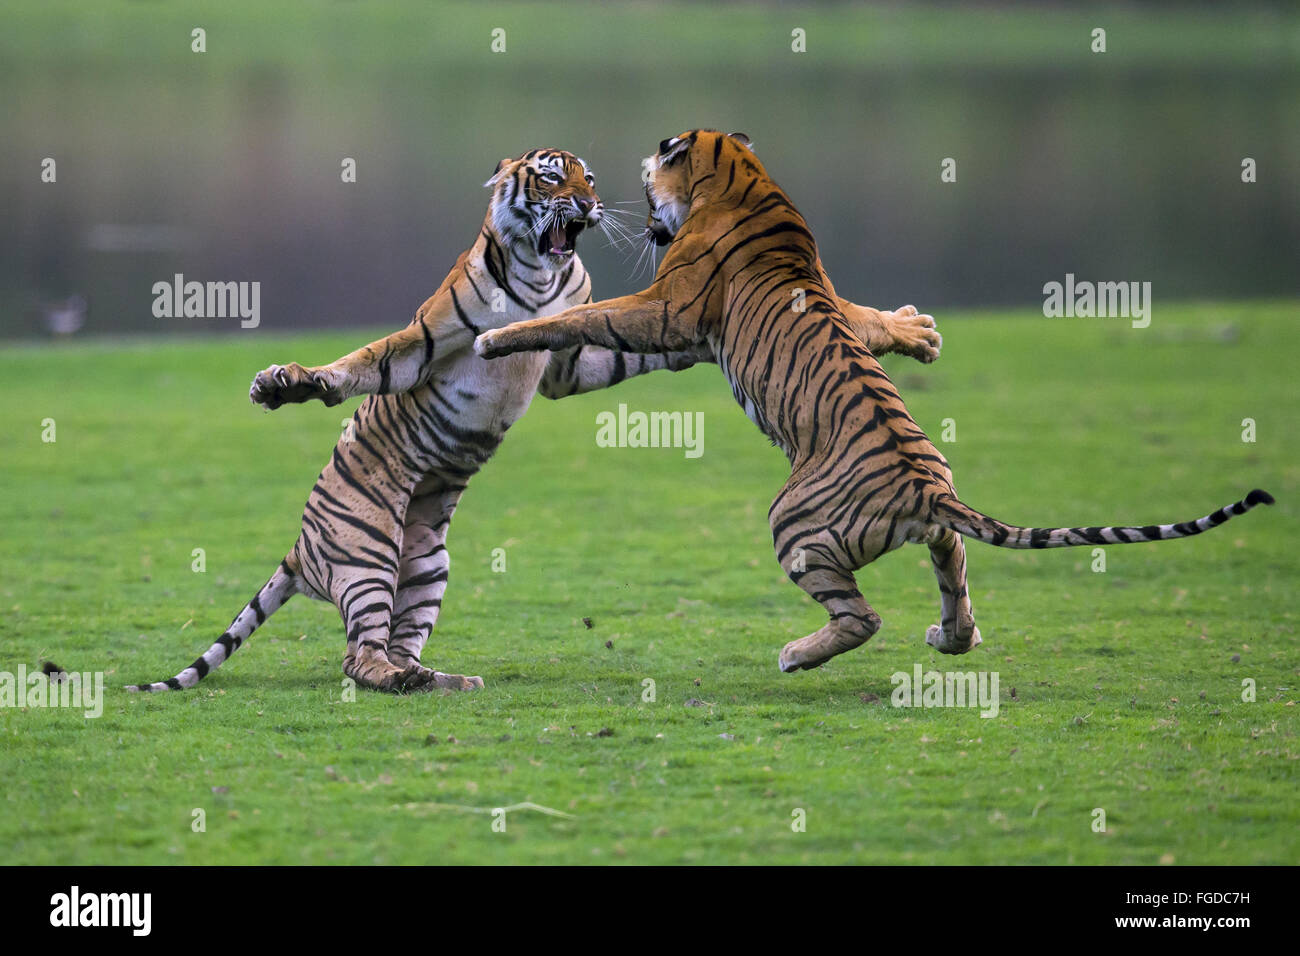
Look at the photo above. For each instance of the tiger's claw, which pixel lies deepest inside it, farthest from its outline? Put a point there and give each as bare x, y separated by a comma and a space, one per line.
915, 334
284, 384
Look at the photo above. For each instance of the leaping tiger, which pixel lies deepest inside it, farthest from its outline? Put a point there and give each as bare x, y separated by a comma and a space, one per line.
864, 477
374, 530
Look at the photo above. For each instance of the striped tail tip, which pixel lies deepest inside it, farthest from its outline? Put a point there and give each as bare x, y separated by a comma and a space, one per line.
266, 602
1258, 497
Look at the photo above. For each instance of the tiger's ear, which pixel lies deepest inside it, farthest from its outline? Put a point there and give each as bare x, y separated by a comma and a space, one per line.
496, 176
742, 139
671, 150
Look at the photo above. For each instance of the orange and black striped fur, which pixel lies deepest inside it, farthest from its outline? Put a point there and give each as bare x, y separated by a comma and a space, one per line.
864, 479
374, 530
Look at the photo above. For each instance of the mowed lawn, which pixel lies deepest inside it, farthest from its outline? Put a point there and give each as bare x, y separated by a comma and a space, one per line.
1120, 691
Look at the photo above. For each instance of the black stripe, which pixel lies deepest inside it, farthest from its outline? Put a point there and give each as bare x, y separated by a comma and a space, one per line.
460, 314
425, 578
428, 342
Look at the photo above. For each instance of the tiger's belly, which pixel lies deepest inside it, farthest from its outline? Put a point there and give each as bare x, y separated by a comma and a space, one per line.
455, 422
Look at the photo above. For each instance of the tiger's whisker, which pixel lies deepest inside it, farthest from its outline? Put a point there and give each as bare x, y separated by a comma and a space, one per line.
613, 228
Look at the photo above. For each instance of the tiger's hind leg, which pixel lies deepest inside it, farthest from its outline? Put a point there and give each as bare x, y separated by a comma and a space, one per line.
816, 560
366, 658
817, 564
422, 580
363, 592
956, 632
851, 625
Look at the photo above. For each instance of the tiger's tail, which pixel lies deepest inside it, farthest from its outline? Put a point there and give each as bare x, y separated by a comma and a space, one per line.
965, 520
282, 585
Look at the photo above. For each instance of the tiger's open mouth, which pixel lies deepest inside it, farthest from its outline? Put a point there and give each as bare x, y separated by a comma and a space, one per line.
560, 240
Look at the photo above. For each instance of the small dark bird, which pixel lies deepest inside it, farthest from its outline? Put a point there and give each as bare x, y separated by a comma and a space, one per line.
54, 672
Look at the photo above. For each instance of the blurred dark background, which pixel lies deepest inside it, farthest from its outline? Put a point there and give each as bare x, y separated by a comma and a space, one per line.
225, 165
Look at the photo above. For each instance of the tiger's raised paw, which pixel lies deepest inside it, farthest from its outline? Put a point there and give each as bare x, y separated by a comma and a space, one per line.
915, 334
285, 384
484, 347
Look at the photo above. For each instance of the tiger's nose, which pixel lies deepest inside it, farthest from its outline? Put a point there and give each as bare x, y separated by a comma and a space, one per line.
585, 206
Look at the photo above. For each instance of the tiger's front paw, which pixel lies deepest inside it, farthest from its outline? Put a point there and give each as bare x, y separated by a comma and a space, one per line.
915, 334
284, 384
489, 345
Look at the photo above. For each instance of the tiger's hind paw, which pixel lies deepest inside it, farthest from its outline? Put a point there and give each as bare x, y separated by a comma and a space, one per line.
284, 384
794, 657
944, 643
418, 678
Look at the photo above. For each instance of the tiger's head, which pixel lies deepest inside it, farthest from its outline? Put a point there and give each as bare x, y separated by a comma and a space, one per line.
541, 203
682, 171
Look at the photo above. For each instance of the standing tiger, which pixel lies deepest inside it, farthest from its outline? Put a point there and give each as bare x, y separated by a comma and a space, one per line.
374, 529
864, 477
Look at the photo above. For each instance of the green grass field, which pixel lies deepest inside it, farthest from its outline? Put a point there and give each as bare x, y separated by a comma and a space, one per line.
1119, 690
